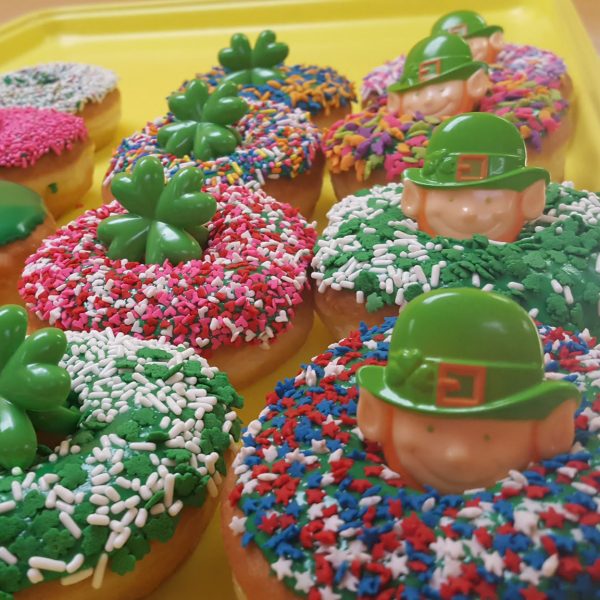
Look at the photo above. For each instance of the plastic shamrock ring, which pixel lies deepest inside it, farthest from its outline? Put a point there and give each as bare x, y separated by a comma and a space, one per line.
315, 512
120, 502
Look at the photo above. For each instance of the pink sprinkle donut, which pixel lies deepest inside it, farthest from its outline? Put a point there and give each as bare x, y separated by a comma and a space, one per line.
241, 296
27, 134
49, 152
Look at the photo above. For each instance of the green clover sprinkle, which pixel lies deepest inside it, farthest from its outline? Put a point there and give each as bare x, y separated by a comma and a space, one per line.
253, 66
203, 125
164, 222
30, 382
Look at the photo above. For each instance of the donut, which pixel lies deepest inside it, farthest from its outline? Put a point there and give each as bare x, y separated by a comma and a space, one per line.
279, 150
24, 223
321, 91
244, 304
376, 145
371, 260
314, 511
86, 91
49, 152
124, 498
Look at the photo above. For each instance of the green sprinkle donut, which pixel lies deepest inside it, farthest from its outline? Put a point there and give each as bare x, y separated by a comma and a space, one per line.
156, 422
372, 250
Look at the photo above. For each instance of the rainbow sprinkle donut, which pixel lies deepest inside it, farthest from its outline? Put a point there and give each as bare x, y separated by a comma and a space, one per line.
244, 291
150, 449
318, 507
536, 66
278, 145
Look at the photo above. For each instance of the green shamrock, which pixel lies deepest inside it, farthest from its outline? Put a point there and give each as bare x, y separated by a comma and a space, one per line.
203, 121
164, 222
253, 66
31, 385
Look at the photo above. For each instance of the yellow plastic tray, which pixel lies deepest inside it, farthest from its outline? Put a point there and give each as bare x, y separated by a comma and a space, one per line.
154, 46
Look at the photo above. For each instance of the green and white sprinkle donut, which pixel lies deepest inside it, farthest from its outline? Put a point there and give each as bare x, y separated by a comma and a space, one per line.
371, 248
156, 422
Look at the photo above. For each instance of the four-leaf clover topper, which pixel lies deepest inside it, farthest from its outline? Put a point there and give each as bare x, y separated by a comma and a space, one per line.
164, 222
32, 387
203, 121
253, 66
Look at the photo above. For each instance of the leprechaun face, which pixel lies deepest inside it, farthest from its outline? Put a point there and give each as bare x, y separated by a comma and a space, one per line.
454, 454
436, 99
460, 213
464, 212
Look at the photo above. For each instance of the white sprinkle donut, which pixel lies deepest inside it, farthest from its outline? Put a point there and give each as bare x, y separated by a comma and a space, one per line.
144, 466
233, 302
87, 91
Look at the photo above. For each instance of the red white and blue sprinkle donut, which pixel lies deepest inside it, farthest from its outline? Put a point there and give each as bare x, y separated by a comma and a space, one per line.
245, 304
279, 152
317, 513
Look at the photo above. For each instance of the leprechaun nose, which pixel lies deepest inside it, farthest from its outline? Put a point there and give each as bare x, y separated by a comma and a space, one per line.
456, 454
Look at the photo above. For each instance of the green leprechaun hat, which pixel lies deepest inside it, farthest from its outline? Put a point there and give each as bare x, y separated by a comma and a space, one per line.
466, 23
476, 150
466, 353
436, 59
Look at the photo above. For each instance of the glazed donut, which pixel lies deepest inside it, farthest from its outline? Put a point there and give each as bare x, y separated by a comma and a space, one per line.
321, 91
371, 260
86, 91
24, 223
137, 480
315, 512
48, 152
537, 66
279, 151
245, 304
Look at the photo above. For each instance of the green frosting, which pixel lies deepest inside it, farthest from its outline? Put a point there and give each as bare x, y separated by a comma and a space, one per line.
21, 211
203, 121
133, 480
466, 353
253, 66
30, 382
165, 222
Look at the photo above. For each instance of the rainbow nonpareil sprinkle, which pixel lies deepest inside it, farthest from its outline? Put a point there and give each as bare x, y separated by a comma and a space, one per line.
334, 522
276, 142
244, 289
28, 134
308, 87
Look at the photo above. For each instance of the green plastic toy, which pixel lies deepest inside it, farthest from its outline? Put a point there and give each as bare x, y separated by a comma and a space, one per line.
165, 222
32, 386
436, 59
466, 23
476, 150
21, 211
466, 353
203, 126
253, 66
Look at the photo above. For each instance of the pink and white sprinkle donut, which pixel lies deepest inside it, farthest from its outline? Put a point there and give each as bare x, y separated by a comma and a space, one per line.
248, 293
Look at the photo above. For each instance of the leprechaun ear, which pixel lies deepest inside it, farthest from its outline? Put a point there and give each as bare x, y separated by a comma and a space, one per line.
533, 200
496, 40
412, 196
478, 84
372, 416
394, 102
555, 434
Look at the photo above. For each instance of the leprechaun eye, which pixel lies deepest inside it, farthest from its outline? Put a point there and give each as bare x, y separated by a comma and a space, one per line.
489, 200
450, 198
430, 428
487, 437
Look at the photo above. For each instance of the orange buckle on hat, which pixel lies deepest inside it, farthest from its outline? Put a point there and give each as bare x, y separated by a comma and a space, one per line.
430, 68
472, 167
447, 384
460, 29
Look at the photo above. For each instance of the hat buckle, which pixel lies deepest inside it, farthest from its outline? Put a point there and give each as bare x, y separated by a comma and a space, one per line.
460, 29
428, 69
447, 383
472, 167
